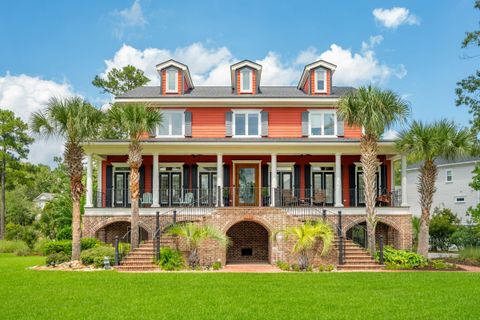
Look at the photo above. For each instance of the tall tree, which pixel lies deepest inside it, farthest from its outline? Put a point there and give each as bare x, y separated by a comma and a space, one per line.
468, 89
120, 81
76, 121
375, 111
14, 142
426, 143
134, 120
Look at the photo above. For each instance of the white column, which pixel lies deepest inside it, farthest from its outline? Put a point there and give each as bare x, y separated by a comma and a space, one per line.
274, 185
404, 181
155, 186
89, 202
99, 197
338, 180
220, 178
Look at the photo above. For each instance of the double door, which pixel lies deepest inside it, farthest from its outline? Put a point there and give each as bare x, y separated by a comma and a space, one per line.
121, 190
170, 188
360, 196
323, 187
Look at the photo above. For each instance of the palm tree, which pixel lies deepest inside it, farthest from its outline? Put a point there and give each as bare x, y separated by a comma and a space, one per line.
195, 234
307, 236
374, 110
425, 143
75, 121
134, 120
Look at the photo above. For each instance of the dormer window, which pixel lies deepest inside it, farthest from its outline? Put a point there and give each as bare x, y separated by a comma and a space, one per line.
320, 80
172, 80
246, 80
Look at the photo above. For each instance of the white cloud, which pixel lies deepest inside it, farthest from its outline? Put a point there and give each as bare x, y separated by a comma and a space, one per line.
24, 94
390, 134
210, 66
395, 17
129, 17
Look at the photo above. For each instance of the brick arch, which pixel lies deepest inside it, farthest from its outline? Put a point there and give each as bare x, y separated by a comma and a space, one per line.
264, 223
352, 223
391, 237
250, 242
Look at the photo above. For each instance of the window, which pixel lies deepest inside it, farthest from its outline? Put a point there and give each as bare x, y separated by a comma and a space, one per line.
246, 80
173, 124
246, 123
460, 199
172, 80
448, 175
320, 80
323, 123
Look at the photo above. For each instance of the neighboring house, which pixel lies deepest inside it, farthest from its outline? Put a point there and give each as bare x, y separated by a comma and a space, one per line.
453, 189
246, 158
42, 199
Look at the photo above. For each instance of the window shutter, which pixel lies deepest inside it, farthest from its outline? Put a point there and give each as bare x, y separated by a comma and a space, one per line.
351, 185
305, 124
141, 183
226, 185
228, 123
264, 115
296, 180
308, 184
383, 179
188, 124
194, 171
340, 127
186, 177
108, 181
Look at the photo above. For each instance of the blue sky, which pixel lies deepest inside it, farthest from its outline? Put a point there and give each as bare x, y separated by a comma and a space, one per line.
57, 47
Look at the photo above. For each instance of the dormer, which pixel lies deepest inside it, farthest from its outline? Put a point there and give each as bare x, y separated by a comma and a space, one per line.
245, 77
175, 78
316, 78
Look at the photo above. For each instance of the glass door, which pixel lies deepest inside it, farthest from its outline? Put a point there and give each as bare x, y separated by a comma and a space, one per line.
323, 188
285, 185
170, 188
122, 195
246, 185
361, 188
208, 187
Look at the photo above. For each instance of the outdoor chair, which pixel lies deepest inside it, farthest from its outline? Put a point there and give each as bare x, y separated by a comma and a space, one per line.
147, 199
288, 198
319, 198
187, 199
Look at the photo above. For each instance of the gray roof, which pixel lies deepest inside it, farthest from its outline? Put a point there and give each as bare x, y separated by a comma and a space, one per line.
443, 161
226, 92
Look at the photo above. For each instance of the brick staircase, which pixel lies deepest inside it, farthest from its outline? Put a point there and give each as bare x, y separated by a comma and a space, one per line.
140, 259
356, 258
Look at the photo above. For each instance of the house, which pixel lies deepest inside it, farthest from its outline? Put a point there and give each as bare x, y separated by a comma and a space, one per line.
246, 158
42, 199
453, 186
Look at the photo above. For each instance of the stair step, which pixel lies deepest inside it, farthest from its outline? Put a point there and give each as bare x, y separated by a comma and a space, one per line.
360, 267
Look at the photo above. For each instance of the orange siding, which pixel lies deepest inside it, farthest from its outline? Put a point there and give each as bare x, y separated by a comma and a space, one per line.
208, 122
254, 82
284, 122
164, 83
312, 77
352, 132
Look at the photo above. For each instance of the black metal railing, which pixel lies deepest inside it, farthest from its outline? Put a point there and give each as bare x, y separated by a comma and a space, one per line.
383, 198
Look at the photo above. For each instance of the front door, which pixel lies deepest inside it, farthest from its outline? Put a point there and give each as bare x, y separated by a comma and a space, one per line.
122, 196
247, 185
170, 188
361, 188
323, 184
208, 188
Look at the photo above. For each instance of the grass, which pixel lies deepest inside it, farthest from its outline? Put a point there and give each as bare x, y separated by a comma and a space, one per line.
28, 294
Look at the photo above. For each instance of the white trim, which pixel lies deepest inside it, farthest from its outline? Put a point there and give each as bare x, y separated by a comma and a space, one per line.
322, 164
167, 117
460, 196
314, 65
250, 75
206, 164
119, 164
220, 102
316, 89
322, 123
282, 164
451, 175
170, 164
167, 79
246, 112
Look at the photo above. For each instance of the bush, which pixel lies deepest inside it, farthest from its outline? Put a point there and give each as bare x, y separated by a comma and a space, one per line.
442, 225
471, 253
56, 259
282, 265
63, 246
440, 265
95, 256
65, 233
465, 236
7, 246
171, 260
18, 232
23, 252
89, 243
38, 247
217, 265
123, 249
401, 259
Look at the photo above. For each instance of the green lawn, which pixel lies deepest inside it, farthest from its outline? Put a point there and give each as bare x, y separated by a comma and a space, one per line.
27, 294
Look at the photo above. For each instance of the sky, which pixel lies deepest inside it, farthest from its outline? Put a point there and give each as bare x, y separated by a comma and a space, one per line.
55, 48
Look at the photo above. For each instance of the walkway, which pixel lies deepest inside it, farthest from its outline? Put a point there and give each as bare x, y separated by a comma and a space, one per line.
250, 267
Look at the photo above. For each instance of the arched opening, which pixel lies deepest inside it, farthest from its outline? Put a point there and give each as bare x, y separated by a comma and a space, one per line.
249, 243
118, 229
358, 234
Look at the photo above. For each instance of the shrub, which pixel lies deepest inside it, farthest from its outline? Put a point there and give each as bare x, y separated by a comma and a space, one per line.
63, 246
442, 225
38, 247
123, 249
89, 243
56, 259
171, 260
282, 265
23, 252
7, 246
470, 253
401, 259
18, 232
217, 265
440, 265
95, 256
65, 233
465, 236
295, 267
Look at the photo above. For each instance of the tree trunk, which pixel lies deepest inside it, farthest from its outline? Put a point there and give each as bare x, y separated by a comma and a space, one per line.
73, 158
2, 214
193, 259
426, 189
135, 162
369, 162
303, 260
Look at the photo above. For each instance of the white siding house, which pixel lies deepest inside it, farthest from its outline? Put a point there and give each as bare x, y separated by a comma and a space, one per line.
453, 190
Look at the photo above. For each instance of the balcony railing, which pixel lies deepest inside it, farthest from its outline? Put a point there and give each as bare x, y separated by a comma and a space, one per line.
245, 197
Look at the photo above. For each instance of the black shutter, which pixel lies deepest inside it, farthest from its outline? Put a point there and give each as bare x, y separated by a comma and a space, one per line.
186, 177
226, 185
141, 171
308, 183
383, 179
296, 180
188, 124
265, 185
351, 184
194, 170
109, 190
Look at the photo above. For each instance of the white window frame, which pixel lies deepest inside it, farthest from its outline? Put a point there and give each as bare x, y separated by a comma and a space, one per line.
246, 112
166, 114
167, 78
446, 175
322, 113
318, 90
460, 201
250, 75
